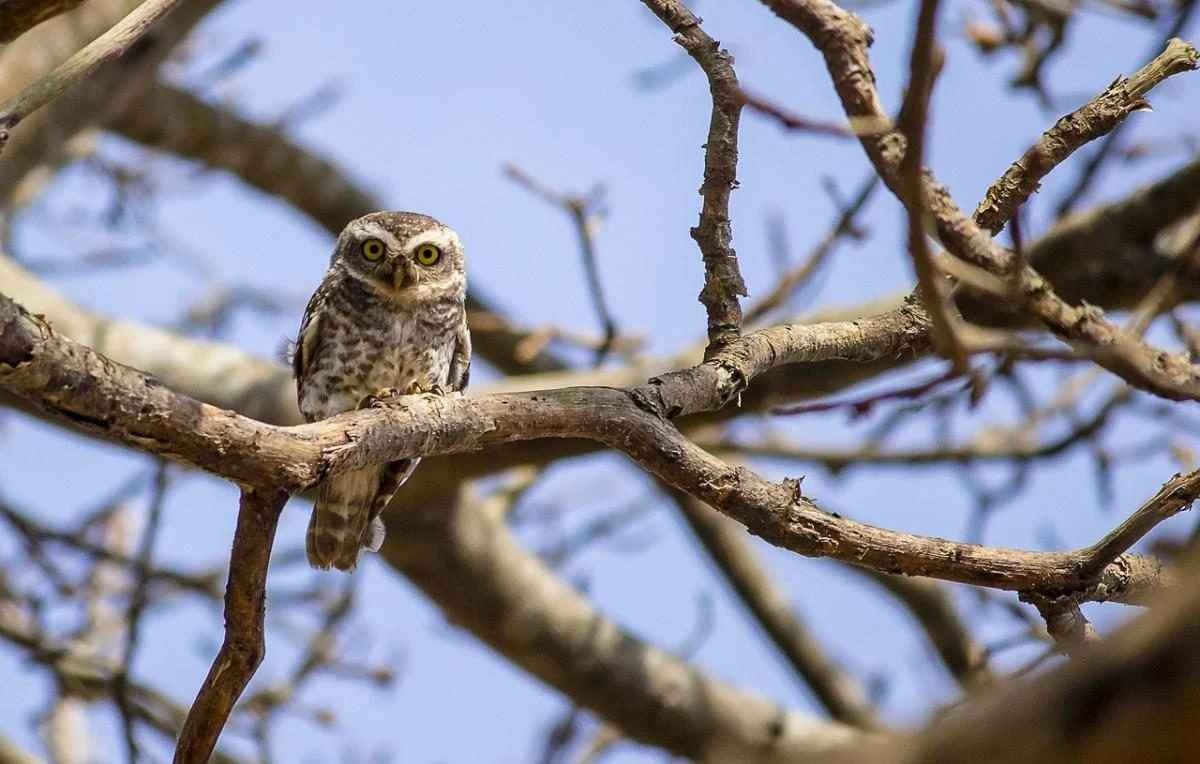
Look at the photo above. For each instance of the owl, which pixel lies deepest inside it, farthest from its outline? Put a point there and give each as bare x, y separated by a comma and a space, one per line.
387, 319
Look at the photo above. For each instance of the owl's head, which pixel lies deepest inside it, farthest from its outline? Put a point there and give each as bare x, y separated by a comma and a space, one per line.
404, 255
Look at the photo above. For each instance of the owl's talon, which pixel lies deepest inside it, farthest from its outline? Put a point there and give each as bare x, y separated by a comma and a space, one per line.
379, 396
416, 388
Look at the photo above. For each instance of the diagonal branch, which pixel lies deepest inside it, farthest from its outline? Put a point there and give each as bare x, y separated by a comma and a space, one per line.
723, 282
108, 46
1097, 117
724, 540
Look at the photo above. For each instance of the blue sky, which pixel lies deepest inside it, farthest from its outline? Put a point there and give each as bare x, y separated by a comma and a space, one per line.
436, 97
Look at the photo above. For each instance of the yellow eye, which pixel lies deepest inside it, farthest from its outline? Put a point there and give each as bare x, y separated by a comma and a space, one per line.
428, 254
372, 249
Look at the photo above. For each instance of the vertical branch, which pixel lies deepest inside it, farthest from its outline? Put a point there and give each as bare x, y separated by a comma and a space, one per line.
914, 114
245, 608
723, 282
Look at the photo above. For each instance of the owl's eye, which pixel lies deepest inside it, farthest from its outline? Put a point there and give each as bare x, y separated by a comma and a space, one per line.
372, 249
428, 254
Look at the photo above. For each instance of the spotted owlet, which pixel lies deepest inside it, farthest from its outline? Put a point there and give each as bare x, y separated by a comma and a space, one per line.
387, 318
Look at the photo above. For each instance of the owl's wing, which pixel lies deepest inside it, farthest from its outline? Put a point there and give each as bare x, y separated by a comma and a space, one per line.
309, 338
460, 362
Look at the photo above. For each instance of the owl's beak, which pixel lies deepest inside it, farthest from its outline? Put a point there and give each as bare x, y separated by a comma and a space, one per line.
403, 275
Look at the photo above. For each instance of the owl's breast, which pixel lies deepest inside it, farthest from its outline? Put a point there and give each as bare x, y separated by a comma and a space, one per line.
370, 353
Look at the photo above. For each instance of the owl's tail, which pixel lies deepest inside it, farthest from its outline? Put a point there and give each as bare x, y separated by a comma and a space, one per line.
346, 516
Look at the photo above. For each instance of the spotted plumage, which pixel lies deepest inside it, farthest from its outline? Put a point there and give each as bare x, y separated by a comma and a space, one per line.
387, 318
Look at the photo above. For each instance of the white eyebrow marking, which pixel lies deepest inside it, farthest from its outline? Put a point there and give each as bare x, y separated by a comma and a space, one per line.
379, 232
443, 237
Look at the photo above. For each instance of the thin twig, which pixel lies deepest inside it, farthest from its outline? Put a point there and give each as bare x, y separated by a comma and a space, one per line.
580, 209
932, 287
137, 606
792, 121
800, 275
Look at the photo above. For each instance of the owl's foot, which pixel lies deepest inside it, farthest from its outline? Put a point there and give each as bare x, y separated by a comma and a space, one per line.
416, 388
379, 396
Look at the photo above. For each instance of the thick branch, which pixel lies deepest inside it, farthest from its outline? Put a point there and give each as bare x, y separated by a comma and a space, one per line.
245, 608
72, 384
1130, 697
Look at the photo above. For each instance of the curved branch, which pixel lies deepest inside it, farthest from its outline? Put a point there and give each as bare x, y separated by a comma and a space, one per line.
725, 541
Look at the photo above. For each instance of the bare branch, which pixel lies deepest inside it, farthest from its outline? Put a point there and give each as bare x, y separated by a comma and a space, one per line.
791, 121
579, 208
842, 227
932, 606
245, 607
932, 287
1136, 686
723, 282
543, 625
1087, 123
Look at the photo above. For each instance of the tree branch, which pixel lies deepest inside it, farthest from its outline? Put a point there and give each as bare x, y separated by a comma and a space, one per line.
724, 541
245, 608
73, 385
520, 609
1090, 121
723, 282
